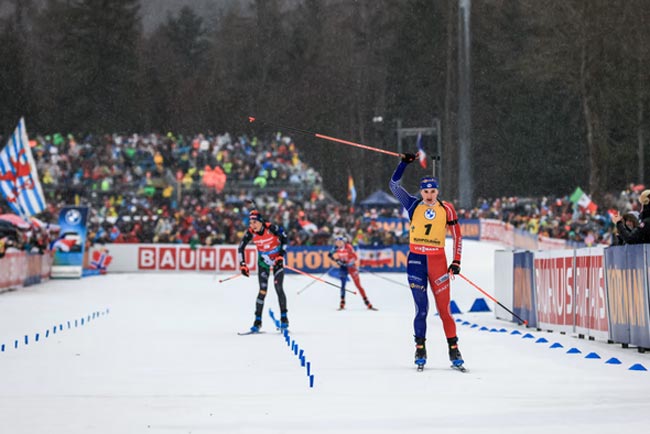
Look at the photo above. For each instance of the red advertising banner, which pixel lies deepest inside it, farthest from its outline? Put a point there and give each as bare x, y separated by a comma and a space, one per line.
554, 291
590, 295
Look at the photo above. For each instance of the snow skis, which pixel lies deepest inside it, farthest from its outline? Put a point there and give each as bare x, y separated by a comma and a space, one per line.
250, 332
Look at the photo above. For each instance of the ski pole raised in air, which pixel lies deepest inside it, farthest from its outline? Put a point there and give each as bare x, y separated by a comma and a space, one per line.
523, 321
234, 276
315, 278
252, 119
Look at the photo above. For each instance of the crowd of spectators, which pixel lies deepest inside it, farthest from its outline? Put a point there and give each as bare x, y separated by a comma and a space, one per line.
196, 190
558, 217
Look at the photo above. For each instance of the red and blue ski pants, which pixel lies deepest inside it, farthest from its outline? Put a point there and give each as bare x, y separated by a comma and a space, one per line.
430, 269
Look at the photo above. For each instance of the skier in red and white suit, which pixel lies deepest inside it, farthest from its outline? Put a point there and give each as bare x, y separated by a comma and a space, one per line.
344, 255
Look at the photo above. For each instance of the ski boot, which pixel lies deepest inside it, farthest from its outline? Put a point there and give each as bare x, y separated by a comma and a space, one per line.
342, 304
257, 325
420, 353
454, 354
284, 321
368, 304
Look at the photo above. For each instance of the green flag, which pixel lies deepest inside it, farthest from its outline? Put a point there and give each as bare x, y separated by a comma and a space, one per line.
575, 197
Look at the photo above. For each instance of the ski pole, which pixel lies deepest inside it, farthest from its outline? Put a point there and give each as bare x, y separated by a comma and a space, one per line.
385, 278
524, 322
315, 278
252, 119
313, 281
234, 276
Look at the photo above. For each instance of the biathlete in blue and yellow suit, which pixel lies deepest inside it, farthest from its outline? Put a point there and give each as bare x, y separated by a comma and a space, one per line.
271, 243
430, 218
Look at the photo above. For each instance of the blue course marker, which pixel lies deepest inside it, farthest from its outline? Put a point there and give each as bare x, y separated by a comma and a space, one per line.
637, 367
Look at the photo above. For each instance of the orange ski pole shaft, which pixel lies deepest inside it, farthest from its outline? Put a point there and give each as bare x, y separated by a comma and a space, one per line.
313, 281
523, 321
233, 277
315, 277
252, 119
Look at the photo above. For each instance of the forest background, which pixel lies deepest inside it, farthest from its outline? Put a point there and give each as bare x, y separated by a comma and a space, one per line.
559, 88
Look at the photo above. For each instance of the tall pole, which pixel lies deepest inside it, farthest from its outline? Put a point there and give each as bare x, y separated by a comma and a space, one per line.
398, 123
437, 171
465, 175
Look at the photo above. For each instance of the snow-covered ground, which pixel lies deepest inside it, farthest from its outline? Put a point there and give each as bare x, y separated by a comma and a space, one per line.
162, 354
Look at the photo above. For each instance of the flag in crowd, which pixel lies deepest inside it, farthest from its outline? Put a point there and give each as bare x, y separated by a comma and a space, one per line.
581, 199
423, 155
375, 256
101, 260
352, 192
19, 181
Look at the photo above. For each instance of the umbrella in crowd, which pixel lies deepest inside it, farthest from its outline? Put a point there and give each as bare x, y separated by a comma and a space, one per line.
15, 220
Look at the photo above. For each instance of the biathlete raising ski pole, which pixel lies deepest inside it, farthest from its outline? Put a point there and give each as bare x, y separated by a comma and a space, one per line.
430, 217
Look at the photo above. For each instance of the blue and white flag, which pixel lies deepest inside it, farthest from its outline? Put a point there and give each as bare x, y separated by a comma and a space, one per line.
18, 176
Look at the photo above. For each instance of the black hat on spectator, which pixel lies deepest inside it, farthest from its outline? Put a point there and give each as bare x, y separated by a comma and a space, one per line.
631, 217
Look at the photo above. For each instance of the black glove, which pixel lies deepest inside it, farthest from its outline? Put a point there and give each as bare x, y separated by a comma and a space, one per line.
408, 158
244, 269
341, 263
454, 267
278, 264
